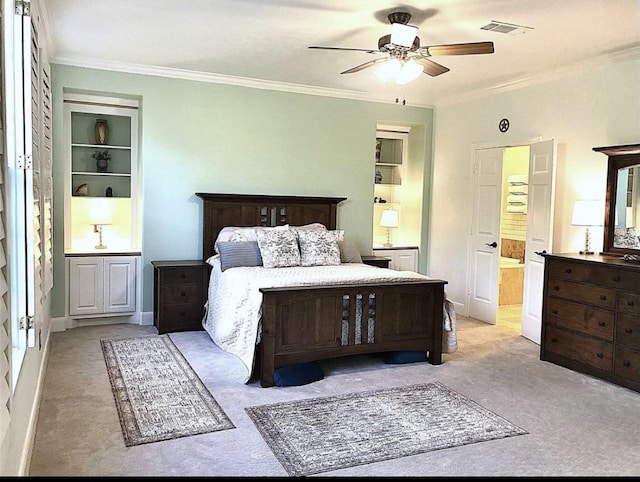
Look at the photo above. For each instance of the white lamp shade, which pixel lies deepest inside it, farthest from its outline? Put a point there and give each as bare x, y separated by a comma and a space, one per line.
100, 211
588, 213
389, 218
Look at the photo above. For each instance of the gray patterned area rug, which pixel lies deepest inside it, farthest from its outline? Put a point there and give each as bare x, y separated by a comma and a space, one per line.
323, 434
157, 393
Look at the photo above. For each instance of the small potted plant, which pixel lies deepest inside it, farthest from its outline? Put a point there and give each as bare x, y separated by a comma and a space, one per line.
102, 160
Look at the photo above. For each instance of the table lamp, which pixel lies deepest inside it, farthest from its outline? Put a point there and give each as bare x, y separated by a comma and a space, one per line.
389, 219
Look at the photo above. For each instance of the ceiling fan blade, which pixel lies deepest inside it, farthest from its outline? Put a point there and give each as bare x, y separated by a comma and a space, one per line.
369, 51
460, 49
430, 67
366, 65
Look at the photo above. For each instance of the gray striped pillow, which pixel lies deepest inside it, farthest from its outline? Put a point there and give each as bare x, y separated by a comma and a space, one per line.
234, 254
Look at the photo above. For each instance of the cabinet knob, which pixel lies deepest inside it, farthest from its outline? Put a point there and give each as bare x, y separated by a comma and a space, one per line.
557, 288
554, 340
555, 312
600, 355
568, 270
617, 278
628, 331
183, 276
627, 364
603, 297
629, 303
602, 323
183, 294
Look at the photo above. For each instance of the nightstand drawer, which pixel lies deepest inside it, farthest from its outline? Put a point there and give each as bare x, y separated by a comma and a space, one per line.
379, 261
181, 294
182, 275
187, 317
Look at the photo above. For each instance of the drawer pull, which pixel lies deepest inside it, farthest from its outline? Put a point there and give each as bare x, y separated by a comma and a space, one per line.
603, 297
600, 355
557, 288
617, 278
554, 340
627, 364
629, 303
602, 323
628, 331
183, 294
182, 313
183, 276
568, 270
555, 312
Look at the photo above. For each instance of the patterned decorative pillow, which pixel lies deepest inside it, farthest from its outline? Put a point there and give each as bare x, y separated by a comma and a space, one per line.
278, 247
250, 234
318, 248
234, 254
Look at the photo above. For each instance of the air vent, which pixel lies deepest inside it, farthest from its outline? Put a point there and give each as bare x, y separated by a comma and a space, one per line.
504, 27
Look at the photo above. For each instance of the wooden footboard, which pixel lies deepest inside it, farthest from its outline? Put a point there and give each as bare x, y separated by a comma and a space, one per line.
301, 324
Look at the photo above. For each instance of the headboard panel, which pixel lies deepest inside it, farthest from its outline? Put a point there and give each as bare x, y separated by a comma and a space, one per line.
222, 210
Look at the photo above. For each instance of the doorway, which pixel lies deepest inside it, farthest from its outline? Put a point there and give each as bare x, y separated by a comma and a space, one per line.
488, 238
513, 236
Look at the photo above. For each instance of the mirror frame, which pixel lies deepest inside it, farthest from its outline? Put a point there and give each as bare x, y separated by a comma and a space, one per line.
619, 158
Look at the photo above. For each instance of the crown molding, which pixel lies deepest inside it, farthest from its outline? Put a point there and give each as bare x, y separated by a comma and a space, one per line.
220, 79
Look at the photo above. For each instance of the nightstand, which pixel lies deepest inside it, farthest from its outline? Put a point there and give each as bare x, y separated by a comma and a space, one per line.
179, 295
379, 261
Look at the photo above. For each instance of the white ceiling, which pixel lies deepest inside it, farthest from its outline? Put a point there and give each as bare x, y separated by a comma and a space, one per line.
265, 43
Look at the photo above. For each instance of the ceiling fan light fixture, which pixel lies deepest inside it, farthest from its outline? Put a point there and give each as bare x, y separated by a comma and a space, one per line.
389, 70
410, 71
403, 35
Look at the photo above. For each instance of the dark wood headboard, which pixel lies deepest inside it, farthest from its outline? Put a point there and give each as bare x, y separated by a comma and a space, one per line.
222, 210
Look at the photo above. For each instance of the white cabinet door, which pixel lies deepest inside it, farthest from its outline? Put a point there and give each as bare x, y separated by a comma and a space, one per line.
119, 284
102, 286
401, 259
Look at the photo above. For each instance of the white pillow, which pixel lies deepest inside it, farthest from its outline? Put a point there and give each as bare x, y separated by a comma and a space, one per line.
307, 227
227, 233
278, 248
318, 248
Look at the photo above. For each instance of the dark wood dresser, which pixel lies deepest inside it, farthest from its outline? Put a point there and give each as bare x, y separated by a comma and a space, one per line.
591, 316
179, 295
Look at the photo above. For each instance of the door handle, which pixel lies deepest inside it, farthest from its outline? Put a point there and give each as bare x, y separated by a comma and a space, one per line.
492, 245
541, 253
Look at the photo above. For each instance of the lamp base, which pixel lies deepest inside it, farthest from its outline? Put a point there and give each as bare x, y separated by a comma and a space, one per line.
387, 245
586, 252
100, 246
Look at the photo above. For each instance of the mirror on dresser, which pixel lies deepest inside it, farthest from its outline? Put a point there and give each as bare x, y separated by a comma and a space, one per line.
622, 210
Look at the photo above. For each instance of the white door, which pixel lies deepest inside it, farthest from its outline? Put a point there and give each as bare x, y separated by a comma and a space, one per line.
485, 235
539, 234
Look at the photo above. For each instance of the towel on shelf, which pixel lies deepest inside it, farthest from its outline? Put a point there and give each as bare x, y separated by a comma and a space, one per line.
517, 199
519, 190
518, 179
522, 209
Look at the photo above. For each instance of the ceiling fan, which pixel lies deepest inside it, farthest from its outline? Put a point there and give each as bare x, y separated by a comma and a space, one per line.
407, 59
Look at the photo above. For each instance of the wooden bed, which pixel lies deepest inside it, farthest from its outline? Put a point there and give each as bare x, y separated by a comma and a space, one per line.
301, 324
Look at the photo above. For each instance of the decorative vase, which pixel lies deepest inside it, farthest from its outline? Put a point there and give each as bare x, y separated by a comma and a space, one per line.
102, 131
102, 165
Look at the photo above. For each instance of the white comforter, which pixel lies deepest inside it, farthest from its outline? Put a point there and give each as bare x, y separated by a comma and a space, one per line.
234, 305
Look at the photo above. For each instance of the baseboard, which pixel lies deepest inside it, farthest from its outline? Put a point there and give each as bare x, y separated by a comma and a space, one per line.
64, 323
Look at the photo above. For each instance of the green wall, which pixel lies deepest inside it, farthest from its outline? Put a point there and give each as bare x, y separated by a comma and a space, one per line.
206, 137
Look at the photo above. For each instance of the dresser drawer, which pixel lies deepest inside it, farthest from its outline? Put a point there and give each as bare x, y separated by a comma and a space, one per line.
627, 364
581, 348
592, 273
182, 275
181, 294
629, 302
582, 293
586, 319
628, 331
